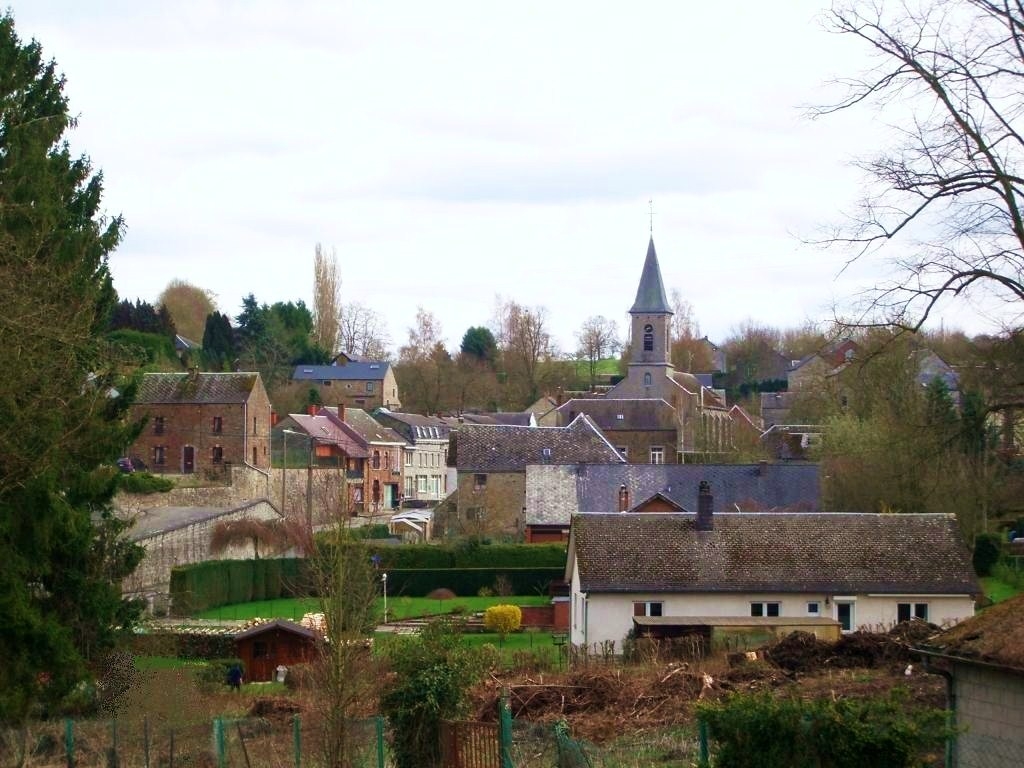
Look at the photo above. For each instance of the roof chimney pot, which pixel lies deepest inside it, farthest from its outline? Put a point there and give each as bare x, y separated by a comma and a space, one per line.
705, 507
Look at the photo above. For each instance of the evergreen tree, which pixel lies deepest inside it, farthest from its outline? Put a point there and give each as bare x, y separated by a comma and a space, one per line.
61, 419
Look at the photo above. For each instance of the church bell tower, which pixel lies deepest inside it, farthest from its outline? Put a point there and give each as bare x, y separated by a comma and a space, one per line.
652, 320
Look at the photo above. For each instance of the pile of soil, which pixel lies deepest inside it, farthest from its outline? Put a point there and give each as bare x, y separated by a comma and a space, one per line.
803, 652
273, 706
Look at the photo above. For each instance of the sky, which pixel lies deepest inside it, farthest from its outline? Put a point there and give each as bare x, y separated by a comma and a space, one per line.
451, 152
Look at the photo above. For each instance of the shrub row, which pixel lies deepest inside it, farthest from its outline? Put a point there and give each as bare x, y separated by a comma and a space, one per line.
466, 582
202, 586
471, 555
182, 645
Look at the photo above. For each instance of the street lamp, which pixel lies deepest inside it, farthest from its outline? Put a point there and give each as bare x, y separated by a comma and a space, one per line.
384, 581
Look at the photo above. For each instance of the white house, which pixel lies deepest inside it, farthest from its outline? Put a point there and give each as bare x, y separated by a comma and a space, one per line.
862, 570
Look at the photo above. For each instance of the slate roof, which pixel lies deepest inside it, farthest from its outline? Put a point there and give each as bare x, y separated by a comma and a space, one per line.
366, 426
369, 371
642, 415
994, 636
413, 426
288, 626
330, 431
196, 388
783, 552
506, 448
650, 294
156, 520
554, 494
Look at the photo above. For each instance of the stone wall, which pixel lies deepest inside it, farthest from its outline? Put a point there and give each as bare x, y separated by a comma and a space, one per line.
185, 545
245, 485
496, 509
990, 710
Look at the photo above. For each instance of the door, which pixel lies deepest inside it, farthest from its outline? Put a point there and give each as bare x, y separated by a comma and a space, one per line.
845, 615
188, 460
264, 655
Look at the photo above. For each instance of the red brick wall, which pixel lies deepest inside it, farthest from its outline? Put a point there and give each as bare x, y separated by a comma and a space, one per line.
538, 616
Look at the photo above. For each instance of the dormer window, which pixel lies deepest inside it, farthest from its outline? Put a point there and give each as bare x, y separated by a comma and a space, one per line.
545, 452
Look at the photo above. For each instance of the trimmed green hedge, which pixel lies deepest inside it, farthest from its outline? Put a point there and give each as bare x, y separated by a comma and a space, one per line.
469, 555
202, 586
466, 582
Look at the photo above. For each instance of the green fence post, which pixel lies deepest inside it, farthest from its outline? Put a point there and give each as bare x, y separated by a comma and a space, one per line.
505, 730
702, 734
112, 756
145, 740
218, 742
297, 739
69, 741
379, 723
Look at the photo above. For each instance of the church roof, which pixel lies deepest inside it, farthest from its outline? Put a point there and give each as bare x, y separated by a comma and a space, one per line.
650, 294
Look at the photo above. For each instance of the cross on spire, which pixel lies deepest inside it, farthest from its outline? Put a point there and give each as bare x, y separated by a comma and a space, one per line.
650, 204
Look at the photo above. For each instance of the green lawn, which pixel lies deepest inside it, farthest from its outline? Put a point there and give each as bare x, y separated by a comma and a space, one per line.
997, 590
398, 607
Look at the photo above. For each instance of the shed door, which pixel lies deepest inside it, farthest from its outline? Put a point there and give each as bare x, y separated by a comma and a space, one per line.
264, 661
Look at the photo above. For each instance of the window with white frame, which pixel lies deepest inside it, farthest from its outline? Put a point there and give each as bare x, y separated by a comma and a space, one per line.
764, 609
657, 454
408, 458
908, 611
813, 608
410, 486
648, 608
421, 483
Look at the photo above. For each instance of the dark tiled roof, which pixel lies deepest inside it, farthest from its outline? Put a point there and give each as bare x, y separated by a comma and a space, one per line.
633, 415
512, 418
413, 426
785, 552
360, 371
330, 431
196, 388
367, 427
283, 624
504, 448
994, 636
650, 294
554, 494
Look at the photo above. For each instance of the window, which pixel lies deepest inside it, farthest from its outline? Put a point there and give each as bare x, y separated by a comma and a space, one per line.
408, 458
647, 382
254, 425
326, 382
479, 482
410, 486
624, 450
218, 424
647, 609
764, 609
369, 387
474, 513
159, 425
159, 455
217, 455
421, 483
814, 608
657, 454
376, 460
907, 611
648, 338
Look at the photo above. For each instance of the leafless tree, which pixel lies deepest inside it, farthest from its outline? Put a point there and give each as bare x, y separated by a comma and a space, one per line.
598, 338
946, 198
362, 331
189, 305
524, 341
326, 299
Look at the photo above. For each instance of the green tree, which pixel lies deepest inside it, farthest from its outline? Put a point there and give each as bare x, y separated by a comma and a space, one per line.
478, 342
61, 418
218, 341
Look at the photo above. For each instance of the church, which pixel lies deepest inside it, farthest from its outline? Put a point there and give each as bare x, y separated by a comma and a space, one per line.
656, 414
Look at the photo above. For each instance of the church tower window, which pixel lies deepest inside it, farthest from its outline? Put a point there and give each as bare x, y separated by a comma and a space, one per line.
647, 379
648, 338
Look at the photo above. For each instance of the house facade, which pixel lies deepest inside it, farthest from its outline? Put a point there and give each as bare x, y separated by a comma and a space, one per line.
860, 570
427, 477
356, 384
202, 422
385, 465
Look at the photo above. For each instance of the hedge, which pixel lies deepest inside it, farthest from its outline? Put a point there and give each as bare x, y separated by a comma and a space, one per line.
466, 582
469, 555
202, 586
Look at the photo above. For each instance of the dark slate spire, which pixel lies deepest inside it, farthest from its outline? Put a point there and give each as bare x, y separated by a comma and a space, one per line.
650, 295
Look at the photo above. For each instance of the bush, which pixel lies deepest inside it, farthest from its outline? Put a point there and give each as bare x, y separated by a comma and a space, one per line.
1007, 574
987, 550
143, 482
214, 673
758, 731
503, 619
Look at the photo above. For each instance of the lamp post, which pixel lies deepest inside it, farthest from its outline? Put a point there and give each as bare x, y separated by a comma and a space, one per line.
384, 581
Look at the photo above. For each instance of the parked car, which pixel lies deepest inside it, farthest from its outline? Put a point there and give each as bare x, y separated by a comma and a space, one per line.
129, 464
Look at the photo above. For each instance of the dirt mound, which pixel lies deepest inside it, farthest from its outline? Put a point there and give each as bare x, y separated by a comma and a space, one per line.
442, 593
798, 652
272, 706
914, 631
803, 652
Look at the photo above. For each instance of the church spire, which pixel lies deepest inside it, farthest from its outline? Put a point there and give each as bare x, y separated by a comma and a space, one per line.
650, 295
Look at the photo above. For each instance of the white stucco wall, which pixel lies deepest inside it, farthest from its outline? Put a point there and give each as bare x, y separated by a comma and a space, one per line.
598, 618
990, 710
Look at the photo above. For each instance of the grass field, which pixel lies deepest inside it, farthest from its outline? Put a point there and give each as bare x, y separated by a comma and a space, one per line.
996, 590
398, 607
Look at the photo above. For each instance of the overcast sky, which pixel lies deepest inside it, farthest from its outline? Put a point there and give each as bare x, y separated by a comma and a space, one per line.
454, 151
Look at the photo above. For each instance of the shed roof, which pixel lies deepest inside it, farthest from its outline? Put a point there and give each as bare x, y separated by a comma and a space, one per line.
283, 624
837, 553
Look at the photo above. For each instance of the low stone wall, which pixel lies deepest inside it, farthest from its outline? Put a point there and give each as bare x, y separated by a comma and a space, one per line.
246, 484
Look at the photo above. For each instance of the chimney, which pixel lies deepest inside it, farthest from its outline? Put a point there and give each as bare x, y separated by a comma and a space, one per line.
623, 498
341, 411
311, 410
762, 468
274, 418
705, 507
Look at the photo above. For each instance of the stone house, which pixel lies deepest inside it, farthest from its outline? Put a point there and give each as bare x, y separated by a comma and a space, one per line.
982, 660
173, 536
671, 568
642, 430
354, 383
427, 475
554, 494
491, 461
202, 422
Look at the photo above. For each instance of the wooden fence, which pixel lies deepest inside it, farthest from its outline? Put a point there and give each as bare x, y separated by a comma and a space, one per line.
470, 745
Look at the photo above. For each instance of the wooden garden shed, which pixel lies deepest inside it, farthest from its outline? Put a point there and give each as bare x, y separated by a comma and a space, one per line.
265, 647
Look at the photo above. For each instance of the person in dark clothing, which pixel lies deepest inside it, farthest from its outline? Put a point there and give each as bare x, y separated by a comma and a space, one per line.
235, 677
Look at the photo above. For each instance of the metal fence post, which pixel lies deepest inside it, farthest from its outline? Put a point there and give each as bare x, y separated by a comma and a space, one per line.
112, 757
505, 730
145, 740
218, 742
297, 739
379, 723
702, 736
69, 741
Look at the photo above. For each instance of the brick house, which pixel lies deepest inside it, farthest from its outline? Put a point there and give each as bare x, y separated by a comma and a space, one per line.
554, 494
426, 468
202, 422
491, 461
385, 464
671, 570
355, 383
983, 662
